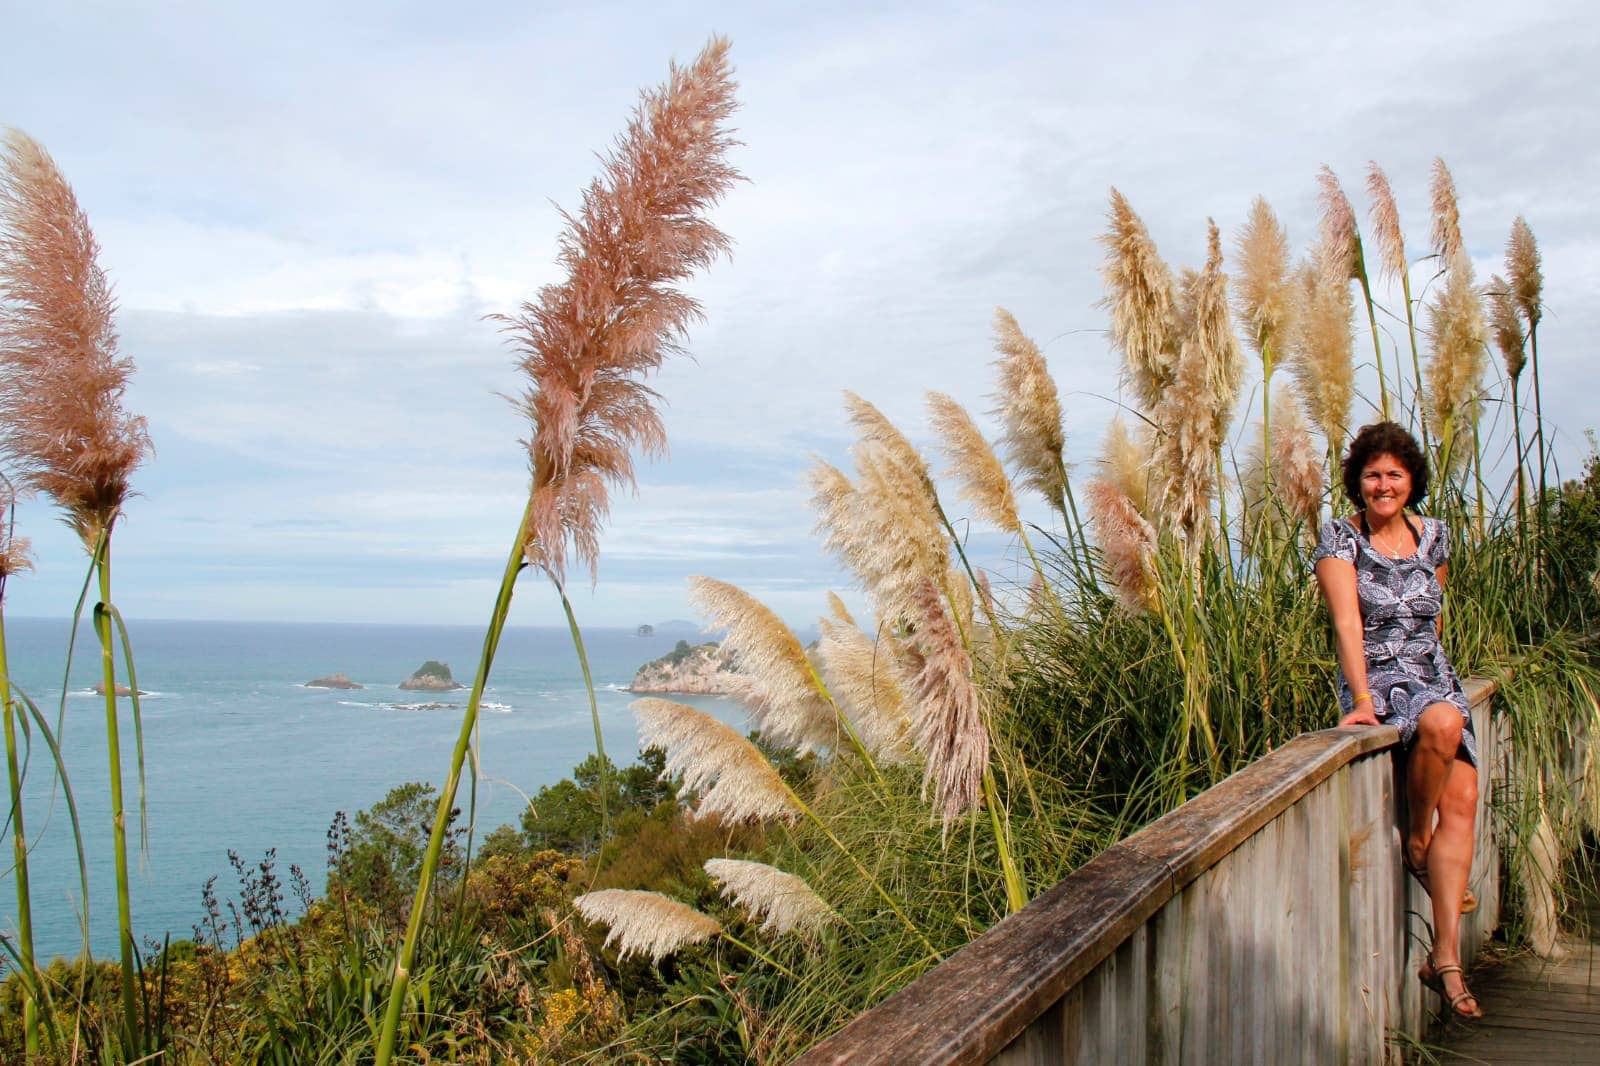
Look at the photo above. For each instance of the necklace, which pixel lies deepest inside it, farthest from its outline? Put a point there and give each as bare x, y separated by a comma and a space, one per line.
1387, 549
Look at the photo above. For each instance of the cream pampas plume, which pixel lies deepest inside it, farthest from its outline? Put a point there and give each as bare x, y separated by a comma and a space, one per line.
1127, 545
645, 923
61, 379
783, 902
588, 342
1030, 410
1141, 296
882, 527
838, 610
1385, 217
1320, 356
1195, 411
947, 727
731, 775
1266, 297
875, 429
1125, 463
1456, 363
977, 470
1446, 215
863, 676
793, 709
1523, 268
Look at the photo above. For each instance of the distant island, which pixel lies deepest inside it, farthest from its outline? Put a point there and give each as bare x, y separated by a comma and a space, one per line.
692, 669
431, 676
645, 631
338, 681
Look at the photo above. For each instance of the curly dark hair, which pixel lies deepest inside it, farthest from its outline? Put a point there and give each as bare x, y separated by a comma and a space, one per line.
1385, 438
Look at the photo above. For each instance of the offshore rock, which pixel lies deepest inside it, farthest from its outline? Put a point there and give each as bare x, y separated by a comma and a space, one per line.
431, 676
691, 669
333, 681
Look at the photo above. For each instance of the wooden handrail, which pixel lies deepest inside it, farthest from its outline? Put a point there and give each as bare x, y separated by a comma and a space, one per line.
971, 1006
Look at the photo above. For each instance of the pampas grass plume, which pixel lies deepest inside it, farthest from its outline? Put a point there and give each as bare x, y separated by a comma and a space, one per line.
1522, 267
783, 902
14, 554
1505, 325
1127, 544
1321, 357
1029, 408
862, 674
588, 342
645, 923
983, 481
1446, 215
1385, 217
1339, 236
1125, 462
1267, 300
733, 778
1297, 464
61, 379
1141, 296
790, 708
1456, 361
948, 726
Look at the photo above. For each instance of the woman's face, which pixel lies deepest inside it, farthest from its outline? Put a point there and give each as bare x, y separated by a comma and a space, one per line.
1385, 485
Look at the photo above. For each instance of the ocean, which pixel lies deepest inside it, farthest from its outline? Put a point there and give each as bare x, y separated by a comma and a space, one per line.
241, 756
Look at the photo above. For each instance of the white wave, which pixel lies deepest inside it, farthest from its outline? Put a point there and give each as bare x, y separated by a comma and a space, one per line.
503, 708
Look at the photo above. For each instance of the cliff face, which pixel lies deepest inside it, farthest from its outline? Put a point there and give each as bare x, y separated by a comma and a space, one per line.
700, 670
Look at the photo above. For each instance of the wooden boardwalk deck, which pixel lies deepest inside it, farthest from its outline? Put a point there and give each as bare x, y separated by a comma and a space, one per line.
1544, 1013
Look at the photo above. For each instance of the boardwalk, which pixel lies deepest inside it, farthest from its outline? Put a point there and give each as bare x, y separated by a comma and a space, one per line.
1538, 1012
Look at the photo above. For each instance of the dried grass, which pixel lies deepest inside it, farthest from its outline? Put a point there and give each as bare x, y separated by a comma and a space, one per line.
1321, 356
14, 553
1505, 326
1385, 217
862, 675
1127, 545
981, 479
1142, 299
1446, 215
645, 923
948, 727
1267, 299
1523, 268
1196, 410
1030, 410
1298, 467
588, 342
1125, 462
780, 686
1339, 237
1456, 357
61, 379
783, 902
733, 778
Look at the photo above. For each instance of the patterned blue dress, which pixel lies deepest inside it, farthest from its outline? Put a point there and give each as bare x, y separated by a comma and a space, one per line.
1407, 671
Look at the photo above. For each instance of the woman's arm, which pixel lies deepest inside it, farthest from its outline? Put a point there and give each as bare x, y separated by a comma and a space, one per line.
1338, 581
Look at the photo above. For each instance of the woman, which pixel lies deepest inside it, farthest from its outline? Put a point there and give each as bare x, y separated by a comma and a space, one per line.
1383, 574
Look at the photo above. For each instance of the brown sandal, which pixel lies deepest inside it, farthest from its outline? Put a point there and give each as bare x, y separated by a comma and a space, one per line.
1433, 977
1469, 901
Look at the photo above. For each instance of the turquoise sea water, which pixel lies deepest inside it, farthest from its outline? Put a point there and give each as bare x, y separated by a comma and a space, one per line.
240, 755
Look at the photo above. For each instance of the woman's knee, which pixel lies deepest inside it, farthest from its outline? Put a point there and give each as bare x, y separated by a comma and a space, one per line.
1440, 728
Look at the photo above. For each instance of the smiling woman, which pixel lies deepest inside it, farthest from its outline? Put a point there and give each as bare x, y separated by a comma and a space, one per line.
1383, 574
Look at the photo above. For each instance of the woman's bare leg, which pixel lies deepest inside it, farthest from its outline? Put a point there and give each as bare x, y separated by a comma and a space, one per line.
1428, 767
1450, 858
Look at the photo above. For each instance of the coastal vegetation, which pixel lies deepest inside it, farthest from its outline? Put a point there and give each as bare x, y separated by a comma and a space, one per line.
927, 767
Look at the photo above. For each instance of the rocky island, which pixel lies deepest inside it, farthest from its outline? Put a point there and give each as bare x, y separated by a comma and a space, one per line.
338, 681
122, 690
431, 676
692, 669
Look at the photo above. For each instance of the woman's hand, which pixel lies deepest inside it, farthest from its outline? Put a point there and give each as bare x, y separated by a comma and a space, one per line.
1360, 716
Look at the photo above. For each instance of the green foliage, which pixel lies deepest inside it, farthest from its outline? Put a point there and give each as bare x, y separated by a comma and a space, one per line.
565, 816
435, 669
379, 865
1573, 549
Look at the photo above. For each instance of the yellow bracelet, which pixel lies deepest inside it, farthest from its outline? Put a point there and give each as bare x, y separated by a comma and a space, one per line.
1359, 697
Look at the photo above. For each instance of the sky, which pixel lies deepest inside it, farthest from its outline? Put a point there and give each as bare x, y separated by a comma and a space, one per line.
308, 211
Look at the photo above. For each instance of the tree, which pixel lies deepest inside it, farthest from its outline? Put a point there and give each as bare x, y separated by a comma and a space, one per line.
380, 866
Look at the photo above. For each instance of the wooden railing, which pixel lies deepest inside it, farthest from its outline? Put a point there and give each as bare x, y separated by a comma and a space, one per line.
1267, 920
